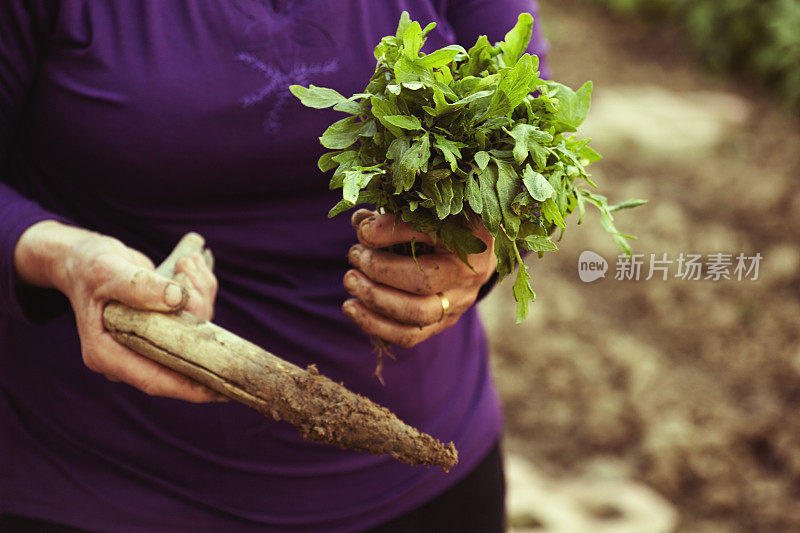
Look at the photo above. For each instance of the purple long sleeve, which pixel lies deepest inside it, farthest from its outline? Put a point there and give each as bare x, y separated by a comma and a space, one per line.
146, 119
21, 29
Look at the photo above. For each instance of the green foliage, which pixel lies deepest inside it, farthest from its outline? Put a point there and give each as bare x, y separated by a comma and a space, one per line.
758, 37
452, 137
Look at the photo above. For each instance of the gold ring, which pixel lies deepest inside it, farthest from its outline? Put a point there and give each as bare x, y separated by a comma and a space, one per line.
445, 305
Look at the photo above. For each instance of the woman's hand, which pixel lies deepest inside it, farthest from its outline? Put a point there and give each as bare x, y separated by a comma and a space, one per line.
91, 270
398, 301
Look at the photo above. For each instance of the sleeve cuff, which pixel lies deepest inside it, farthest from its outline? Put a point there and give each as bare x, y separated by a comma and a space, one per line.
30, 304
487, 287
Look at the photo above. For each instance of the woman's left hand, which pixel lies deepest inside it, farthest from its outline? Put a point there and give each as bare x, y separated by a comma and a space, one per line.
400, 302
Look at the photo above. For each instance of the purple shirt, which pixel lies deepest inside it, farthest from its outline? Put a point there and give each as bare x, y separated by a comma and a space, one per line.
146, 119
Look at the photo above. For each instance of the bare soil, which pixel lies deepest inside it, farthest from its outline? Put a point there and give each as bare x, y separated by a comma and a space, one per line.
692, 387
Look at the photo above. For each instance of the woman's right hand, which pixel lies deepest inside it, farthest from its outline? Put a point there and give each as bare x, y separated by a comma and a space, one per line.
92, 270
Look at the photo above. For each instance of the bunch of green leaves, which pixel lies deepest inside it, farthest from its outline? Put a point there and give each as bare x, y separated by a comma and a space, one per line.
448, 138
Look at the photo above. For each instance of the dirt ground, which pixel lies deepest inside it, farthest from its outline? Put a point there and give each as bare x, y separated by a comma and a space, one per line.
689, 386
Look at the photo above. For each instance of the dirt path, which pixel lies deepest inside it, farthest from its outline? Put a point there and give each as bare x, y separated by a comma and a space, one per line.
692, 386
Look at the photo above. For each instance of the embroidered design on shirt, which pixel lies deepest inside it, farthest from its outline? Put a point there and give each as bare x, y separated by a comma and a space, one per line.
279, 36
278, 83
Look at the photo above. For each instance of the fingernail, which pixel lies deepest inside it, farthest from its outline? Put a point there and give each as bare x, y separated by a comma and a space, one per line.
367, 231
173, 295
349, 309
353, 254
350, 281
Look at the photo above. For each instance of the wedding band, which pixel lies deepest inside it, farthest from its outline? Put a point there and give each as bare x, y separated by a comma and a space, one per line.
445, 305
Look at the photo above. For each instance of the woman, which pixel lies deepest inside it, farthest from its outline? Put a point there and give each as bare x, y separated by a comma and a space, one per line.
136, 121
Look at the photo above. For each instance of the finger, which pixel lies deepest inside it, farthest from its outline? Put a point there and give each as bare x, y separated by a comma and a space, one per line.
196, 305
359, 216
201, 285
148, 376
389, 330
103, 354
436, 272
208, 259
398, 305
207, 278
199, 274
385, 230
136, 286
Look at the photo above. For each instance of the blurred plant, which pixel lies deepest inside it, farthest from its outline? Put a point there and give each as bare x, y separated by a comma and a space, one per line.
761, 37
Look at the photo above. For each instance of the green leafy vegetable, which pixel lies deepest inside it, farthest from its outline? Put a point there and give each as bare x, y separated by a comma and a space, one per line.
447, 139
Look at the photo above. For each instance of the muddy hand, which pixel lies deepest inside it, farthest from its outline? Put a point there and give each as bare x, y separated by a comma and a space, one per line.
398, 301
92, 270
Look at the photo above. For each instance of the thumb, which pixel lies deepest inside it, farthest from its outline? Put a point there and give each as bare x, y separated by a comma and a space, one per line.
142, 288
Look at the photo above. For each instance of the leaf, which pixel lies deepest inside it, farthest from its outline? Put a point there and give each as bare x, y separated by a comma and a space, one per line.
317, 97
445, 187
461, 240
403, 121
408, 71
526, 138
539, 153
479, 57
354, 181
346, 161
412, 40
515, 85
412, 161
457, 203
342, 133
398, 147
474, 97
586, 152
581, 207
508, 187
364, 197
368, 128
326, 161
633, 202
552, 214
427, 29
536, 184
423, 221
402, 26
539, 243
573, 106
481, 159
506, 252
443, 106
441, 57
491, 215
523, 293
517, 39
451, 150
473, 194
381, 108
351, 107
340, 207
